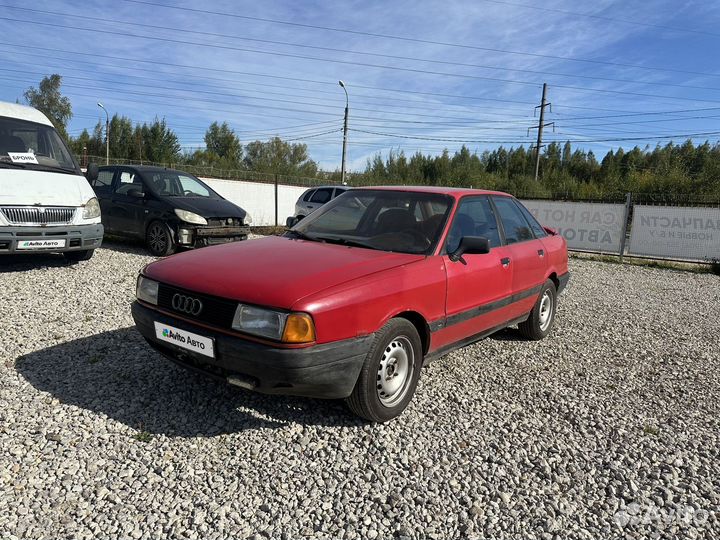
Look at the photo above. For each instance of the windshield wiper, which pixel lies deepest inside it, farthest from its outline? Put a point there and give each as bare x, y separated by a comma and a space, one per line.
345, 241
301, 235
13, 164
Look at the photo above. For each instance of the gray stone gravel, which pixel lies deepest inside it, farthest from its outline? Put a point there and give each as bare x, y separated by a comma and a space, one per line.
607, 429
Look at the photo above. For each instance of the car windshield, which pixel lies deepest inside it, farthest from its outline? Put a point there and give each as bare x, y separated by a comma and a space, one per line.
33, 146
388, 220
172, 184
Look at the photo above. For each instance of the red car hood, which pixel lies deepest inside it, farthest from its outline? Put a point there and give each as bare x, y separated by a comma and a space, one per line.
272, 271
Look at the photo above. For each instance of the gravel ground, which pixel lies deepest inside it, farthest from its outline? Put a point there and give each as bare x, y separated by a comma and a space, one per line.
609, 428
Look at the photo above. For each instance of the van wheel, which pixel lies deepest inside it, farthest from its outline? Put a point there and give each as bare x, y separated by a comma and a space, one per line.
77, 256
390, 373
159, 240
542, 316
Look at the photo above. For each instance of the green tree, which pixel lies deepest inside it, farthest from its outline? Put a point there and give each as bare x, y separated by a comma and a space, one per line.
221, 140
160, 144
48, 99
280, 157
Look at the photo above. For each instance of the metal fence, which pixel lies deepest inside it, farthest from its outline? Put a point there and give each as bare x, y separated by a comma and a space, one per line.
660, 227
678, 227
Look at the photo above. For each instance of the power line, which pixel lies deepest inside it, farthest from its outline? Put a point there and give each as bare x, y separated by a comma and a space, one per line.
348, 51
675, 136
414, 40
347, 62
194, 68
604, 18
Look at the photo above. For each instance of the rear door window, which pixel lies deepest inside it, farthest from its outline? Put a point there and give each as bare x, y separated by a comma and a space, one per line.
103, 183
513, 221
321, 196
128, 180
534, 225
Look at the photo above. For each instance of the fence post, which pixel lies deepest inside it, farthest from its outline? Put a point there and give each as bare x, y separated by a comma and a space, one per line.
626, 215
276, 199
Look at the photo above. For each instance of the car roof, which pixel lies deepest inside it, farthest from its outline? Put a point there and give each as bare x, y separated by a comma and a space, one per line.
22, 112
453, 191
328, 187
143, 168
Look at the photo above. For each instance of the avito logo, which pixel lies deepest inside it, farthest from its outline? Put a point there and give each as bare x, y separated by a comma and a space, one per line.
173, 335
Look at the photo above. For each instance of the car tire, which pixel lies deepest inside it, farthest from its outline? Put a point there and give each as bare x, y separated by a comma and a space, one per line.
390, 373
542, 317
77, 256
159, 239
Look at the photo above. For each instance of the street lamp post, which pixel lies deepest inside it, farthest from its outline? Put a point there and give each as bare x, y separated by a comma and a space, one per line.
107, 134
345, 130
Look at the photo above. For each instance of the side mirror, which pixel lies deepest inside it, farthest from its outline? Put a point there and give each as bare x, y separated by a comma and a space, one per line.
136, 193
291, 222
470, 245
92, 172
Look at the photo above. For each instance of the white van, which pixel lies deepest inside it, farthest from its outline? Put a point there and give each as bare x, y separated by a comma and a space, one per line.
46, 204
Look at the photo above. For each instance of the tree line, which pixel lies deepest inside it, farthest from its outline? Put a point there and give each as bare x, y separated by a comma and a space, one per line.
681, 170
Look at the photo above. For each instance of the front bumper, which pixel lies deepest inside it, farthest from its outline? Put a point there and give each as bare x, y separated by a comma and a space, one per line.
203, 235
76, 237
329, 370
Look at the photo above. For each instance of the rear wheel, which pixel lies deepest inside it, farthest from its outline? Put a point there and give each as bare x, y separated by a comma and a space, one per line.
390, 373
542, 317
159, 240
76, 256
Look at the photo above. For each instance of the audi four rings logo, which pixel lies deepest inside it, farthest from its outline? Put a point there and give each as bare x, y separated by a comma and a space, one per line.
187, 304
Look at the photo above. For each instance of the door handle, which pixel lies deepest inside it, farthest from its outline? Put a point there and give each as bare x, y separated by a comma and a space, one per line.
541, 252
505, 261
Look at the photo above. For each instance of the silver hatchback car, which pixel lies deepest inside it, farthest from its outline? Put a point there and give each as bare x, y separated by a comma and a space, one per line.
313, 199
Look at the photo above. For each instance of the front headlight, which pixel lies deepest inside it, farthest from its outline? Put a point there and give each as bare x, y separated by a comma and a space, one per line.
286, 327
190, 217
247, 219
147, 290
91, 210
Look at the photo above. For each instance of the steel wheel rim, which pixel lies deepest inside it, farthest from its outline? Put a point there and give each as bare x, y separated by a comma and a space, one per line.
395, 371
158, 239
546, 306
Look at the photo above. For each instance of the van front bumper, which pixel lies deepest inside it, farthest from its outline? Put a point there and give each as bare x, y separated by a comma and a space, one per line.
17, 240
328, 370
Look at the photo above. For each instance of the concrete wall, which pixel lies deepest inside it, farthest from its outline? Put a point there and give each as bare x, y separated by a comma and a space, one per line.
259, 199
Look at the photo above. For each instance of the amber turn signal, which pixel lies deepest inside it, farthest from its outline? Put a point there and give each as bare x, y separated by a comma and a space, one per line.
299, 328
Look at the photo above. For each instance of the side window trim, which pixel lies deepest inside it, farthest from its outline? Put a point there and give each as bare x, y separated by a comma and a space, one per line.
528, 216
499, 219
308, 195
501, 228
456, 209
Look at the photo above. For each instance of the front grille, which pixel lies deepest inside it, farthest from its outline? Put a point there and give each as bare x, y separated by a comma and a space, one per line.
225, 222
215, 311
38, 215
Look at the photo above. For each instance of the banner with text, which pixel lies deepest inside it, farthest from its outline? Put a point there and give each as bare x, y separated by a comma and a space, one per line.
585, 226
676, 232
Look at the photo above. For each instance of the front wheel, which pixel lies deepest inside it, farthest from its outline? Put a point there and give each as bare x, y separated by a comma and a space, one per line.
542, 317
159, 240
390, 373
77, 256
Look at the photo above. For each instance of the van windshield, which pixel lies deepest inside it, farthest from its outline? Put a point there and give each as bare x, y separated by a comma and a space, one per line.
33, 146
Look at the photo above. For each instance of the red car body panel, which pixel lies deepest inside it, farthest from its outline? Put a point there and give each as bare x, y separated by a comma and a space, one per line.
274, 271
352, 292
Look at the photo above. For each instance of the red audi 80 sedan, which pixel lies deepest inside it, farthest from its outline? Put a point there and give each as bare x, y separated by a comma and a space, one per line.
354, 299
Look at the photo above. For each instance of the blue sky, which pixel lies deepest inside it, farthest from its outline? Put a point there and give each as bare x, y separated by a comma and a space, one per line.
194, 68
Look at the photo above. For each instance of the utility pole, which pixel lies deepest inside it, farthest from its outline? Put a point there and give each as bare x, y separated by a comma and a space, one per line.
107, 134
345, 130
539, 127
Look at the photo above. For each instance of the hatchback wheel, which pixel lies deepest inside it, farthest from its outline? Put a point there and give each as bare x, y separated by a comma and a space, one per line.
159, 240
390, 373
542, 316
